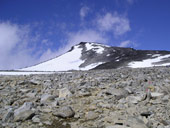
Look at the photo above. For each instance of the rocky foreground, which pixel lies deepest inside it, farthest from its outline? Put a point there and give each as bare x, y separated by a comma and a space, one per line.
120, 98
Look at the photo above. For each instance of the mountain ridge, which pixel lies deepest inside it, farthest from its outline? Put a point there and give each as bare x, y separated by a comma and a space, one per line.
90, 55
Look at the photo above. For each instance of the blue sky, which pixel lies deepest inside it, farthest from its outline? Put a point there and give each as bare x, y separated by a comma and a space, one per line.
32, 31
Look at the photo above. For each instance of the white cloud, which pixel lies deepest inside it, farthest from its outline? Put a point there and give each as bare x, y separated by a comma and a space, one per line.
125, 43
87, 35
14, 52
115, 23
48, 54
84, 11
8, 38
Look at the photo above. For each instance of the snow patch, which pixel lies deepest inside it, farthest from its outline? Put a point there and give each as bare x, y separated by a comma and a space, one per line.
156, 55
22, 73
98, 48
68, 61
149, 62
89, 46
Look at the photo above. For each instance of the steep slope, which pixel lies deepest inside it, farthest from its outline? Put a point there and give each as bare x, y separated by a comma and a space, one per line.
86, 55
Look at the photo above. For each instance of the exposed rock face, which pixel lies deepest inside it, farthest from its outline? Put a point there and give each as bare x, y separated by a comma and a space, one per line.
121, 98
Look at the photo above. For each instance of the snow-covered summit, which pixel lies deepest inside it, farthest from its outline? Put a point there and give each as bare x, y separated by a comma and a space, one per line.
89, 55
71, 60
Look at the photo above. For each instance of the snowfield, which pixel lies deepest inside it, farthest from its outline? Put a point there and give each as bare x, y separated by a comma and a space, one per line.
68, 61
149, 62
22, 73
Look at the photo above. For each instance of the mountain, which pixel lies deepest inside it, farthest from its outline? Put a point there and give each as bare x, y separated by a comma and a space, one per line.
88, 55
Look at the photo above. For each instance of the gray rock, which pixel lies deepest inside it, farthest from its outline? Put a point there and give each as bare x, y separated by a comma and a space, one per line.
101, 98
65, 112
24, 115
136, 99
8, 116
119, 93
24, 112
31, 95
117, 126
26, 106
135, 123
64, 92
35, 81
46, 98
36, 119
91, 115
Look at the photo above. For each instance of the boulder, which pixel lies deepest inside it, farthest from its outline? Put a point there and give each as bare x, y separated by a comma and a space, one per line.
46, 98
24, 115
118, 93
64, 92
65, 112
24, 112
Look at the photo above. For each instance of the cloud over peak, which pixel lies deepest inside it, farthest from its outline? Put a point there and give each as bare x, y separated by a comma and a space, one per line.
125, 43
115, 23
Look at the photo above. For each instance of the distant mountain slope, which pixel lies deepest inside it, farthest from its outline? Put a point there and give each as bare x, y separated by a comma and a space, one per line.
87, 55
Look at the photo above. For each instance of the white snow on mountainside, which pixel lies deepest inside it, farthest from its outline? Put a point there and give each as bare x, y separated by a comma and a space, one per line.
68, 61
11, 73
88, 55
72, 60
149, 62
98, 48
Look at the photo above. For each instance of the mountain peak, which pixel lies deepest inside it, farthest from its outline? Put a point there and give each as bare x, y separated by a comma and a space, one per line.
93, 43
90, 55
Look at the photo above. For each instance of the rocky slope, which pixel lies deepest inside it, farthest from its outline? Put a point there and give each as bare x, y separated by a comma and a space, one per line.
87, 55
117, 98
